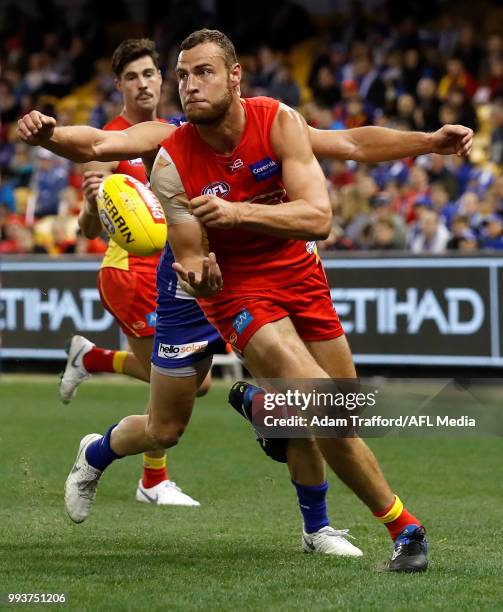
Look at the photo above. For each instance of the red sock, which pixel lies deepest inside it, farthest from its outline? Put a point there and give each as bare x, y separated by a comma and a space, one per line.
103, 360
154, 471
396, 518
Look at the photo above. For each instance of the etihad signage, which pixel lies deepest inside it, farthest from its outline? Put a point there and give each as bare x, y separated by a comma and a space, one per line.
395, 310
421, 310
44, 301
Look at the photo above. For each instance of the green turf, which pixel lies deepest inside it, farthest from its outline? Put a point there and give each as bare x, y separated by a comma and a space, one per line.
241, 549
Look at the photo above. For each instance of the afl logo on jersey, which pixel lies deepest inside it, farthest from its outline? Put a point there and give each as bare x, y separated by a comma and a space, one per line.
219, 189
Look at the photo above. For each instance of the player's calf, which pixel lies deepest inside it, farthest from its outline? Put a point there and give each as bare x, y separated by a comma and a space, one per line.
165, 436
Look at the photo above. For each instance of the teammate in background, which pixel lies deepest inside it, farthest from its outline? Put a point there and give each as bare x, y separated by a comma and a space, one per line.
126, 282
170, 412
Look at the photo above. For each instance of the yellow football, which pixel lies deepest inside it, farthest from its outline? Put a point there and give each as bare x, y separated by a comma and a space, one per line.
131, 215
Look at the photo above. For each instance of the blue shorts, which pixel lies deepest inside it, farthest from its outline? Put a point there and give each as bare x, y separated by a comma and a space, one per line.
183, 336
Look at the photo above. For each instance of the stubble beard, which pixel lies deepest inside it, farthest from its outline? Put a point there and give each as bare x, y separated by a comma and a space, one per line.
214, 114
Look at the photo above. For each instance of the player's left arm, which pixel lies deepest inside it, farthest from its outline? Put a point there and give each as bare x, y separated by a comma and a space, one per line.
374, 144
306, 216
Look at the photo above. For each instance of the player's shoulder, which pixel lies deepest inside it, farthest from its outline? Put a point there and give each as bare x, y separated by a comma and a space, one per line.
262, 102
287, 117
179, 136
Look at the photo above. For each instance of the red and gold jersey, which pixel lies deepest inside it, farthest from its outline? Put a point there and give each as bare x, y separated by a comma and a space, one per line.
252, 173
117, 257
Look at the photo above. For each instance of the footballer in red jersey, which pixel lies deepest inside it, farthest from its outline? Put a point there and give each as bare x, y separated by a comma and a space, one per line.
209, 84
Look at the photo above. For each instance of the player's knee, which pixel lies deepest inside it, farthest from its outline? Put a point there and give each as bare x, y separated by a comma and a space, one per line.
166, 435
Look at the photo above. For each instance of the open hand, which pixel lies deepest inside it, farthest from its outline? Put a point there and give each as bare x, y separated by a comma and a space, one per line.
204, 284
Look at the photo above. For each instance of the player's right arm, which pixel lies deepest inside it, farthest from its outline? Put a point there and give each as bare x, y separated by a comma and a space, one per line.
81, 143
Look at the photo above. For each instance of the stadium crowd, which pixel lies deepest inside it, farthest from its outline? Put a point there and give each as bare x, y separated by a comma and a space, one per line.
366, 68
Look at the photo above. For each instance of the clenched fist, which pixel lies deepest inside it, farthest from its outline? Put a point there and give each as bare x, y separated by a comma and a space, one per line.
36, 128
452, 139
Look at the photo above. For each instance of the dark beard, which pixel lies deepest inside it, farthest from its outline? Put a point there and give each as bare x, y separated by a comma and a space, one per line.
212, 116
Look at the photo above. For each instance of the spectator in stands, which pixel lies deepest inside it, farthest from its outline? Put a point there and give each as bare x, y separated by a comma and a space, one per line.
441, 202
463, 107
326, 91
9, 106
384, 235
36, 76
340, 174
370, 85
416, 188
62, 238
49, 180
25, 241
405, 112
440, 173
459, 230
432, 235
5, 212
468, 241
334, 58
497, 194
411, 71
283, 86
492, 233
469, 206
496, 144
467, 49
495, 81
268, 64
428, 105
351, 112
457, 77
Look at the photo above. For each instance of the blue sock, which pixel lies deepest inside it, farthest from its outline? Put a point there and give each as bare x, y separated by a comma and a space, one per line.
313, 505
99, 454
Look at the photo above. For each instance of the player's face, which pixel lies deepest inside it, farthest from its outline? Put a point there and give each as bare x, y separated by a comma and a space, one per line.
206, 84
140, 84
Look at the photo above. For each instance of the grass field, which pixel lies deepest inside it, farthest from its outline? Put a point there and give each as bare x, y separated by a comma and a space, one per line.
241, 549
